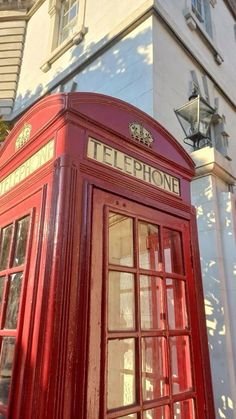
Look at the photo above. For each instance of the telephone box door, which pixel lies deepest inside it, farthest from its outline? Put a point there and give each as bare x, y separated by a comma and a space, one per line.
144, 352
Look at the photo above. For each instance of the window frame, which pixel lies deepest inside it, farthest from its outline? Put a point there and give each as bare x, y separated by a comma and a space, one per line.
7, 273
197, 25
55, 49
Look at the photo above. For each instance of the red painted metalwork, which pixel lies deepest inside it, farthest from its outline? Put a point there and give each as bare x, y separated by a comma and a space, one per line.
58, 369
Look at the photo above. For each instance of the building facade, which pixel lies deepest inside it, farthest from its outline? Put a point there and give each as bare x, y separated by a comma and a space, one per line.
151, 54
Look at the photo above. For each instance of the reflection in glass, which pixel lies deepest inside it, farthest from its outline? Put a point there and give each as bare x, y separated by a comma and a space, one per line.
184, 410
180, 364
5, 246
2, 283
121, 373
151, 303
13, 301
120, 240
173, 251
121, 301
154, 368
21, 241
149, 249
132, 416
2, 416
6, 364
176, 303
162, 412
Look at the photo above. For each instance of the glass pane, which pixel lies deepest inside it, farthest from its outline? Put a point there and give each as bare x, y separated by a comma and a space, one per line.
5, 246
173, 251
180, 364
154, 368
121, 373
73, 12
162, 412
132, 415
120, 240
151, 302
2, 283
13, 301
6, 364
21, 241
184, 410
121, 301
2, 416
149, 249
176, 303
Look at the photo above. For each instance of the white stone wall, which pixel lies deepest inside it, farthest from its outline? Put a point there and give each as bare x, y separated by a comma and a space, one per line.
104, 28
218, 258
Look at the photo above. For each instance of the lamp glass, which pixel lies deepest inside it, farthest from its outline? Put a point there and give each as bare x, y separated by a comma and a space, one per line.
195, 117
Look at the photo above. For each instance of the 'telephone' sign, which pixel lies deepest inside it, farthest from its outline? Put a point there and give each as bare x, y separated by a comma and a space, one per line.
109, 156
27, 168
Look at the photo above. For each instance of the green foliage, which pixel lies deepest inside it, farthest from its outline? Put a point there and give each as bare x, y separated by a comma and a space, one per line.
5, 128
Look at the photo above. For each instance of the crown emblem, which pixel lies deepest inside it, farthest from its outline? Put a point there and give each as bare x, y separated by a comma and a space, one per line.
141, 134
24, 136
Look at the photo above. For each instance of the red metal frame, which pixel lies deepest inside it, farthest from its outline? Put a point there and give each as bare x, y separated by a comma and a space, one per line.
56, 351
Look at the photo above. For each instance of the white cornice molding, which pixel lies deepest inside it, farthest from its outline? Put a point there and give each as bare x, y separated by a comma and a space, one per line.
209, 161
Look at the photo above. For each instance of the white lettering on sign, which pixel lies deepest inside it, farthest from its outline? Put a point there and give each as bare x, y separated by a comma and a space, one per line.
28, 167
118, 160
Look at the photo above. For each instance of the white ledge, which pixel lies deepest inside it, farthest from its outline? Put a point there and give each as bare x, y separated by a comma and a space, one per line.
62, 48
209, 161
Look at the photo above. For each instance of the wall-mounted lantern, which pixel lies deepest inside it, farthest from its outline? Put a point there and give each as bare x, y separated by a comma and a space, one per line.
195, 119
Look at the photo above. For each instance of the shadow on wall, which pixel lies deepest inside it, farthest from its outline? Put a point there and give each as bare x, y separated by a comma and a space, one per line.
122, 69
220, 332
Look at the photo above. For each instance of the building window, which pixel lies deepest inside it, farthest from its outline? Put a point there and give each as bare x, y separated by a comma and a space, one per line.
197, 9
68, 16
66, 28
201, 9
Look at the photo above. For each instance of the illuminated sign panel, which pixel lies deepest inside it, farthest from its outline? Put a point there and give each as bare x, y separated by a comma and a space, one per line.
28, 167
118, 160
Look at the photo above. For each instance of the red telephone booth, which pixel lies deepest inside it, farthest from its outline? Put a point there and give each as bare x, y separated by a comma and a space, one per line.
100, 288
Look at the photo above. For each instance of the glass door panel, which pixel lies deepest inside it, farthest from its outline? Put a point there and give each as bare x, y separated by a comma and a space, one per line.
176, 304
14, 238
2, 282
151, 303
6, 365
180, 364
21, 241
13, 301
121, 302
5, 246
162, 412
154, 368
149, 247
121, 373
146, 335
184, 410
120, 240
173, 252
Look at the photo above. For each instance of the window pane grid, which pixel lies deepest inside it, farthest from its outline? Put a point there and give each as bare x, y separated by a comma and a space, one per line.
13, 243
68, 18
173, 327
